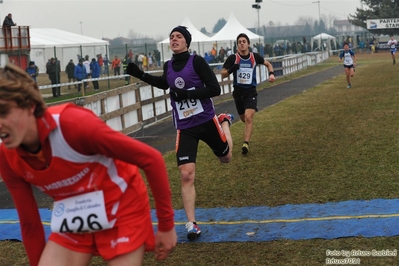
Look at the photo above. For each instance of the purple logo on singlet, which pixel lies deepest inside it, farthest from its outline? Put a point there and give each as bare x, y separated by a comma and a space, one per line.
179, 83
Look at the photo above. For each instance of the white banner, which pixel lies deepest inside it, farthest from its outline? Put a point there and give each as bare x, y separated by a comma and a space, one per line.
382, 23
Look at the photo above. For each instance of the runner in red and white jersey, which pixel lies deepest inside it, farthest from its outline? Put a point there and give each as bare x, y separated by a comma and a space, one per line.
92, 172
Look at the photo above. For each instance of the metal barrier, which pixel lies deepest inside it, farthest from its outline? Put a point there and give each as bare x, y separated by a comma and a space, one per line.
14, 38
82, 81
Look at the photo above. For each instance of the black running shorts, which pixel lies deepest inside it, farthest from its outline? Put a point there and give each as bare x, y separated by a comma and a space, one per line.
187, 141
245, 99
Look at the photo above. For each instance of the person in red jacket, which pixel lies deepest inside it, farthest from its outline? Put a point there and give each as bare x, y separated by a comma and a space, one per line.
90, 170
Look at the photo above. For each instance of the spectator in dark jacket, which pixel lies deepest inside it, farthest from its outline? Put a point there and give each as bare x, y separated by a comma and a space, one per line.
157, 55
80, 73
7, 24
106, 63
95, 73
32, 70
54, 72
70, 71
208, 58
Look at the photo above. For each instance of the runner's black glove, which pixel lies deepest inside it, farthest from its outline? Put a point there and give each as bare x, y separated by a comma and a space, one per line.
179, 95
134, 70
233, 68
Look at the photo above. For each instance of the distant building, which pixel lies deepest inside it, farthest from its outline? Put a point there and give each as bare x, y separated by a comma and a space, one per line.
283, 31
347, 32
344, 27
128, 41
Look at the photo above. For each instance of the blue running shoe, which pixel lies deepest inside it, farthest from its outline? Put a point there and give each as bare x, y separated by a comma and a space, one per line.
193, 231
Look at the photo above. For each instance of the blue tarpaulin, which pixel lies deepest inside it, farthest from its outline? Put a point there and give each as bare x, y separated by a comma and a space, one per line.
363, 218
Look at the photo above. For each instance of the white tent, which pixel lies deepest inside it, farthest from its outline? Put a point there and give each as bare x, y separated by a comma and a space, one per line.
196, 35
232, 29
322, 38
48, 42
197, 40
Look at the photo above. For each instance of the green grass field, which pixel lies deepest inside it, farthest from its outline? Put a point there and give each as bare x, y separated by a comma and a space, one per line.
328, 144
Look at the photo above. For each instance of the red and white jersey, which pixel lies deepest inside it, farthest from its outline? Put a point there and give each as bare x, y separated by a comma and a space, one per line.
71, 173
81, 154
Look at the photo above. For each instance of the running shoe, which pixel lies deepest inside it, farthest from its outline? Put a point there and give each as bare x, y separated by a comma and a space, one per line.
225, 117
193, 231
349, 86
245, 148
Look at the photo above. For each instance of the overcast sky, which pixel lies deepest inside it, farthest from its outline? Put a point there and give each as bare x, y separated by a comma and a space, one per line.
113, 18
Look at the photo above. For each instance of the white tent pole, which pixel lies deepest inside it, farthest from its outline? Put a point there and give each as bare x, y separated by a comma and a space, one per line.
199, 50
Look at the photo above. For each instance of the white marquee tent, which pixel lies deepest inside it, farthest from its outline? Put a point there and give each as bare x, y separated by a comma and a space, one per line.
323, 37
232, 29
198, 40
49, 42
202, 43
196, 35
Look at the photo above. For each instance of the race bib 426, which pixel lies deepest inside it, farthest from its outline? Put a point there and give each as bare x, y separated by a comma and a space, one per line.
80, 214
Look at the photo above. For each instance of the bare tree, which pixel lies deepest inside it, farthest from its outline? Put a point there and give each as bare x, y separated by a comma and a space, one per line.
158, 38
328, 20
132, 34
302, 20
